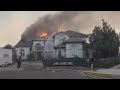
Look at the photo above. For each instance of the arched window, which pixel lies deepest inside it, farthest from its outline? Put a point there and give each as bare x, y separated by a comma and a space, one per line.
22, 52
38, 47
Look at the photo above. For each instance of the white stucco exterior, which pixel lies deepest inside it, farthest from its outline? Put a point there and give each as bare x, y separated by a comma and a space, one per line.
42, 43
71, 49
25, 51
59, 38
5, 56
63, 52
74, 49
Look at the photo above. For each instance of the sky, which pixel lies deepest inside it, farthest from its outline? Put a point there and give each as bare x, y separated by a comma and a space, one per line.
14, 23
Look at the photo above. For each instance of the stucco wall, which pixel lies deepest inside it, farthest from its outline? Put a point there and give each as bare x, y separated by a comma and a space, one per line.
26, 51
59, 37
8, 58
36, 42
74, 49
63, 52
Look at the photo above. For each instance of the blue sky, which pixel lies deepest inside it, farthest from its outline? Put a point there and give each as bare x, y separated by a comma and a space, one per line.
14, 23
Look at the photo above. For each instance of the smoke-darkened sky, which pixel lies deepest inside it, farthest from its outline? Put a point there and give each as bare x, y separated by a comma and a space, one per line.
14, 23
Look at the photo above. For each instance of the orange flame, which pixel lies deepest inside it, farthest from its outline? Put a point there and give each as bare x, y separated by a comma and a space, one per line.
42, 34
61, 29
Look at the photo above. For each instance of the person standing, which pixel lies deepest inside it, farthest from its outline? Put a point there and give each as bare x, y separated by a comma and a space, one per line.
19, 61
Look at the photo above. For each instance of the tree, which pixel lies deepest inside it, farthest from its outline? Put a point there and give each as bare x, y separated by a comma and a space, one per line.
8, 46
104, 41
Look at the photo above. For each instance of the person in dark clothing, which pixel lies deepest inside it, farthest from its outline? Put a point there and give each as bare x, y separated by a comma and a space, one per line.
19, 61
92, 62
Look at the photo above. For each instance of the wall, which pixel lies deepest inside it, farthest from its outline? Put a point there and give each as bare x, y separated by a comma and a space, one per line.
36, 42
59, 37
74, 49
86, 39
62, 52
5, 56
26, 51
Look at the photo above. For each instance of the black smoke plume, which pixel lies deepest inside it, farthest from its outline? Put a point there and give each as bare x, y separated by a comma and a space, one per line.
52, 23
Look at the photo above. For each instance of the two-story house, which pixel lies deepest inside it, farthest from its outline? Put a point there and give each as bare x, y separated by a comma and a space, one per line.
70, 44
34, 47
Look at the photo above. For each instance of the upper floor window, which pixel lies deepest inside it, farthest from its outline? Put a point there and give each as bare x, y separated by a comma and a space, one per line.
62, 40
38, 46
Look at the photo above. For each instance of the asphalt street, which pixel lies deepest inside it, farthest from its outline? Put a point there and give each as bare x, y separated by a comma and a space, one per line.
41, 74
35, 70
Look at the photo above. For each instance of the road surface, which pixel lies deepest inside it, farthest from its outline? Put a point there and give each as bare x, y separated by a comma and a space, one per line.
35, 70
41, 74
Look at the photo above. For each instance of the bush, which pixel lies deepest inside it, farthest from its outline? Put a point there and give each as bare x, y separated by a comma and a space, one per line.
76, 61
107, 63
104, 63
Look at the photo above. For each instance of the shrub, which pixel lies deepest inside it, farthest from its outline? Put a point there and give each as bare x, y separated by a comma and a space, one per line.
104, 63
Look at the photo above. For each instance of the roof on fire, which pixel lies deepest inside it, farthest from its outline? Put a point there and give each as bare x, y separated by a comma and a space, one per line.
72, 34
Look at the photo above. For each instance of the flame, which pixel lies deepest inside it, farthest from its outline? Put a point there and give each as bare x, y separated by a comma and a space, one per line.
42, 34
61, 29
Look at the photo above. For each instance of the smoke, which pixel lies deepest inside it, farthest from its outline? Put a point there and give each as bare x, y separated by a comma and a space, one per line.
81, 21
52, 23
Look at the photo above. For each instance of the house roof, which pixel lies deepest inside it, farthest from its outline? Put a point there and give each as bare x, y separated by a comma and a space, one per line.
59, 46
74, 40
22, 43
72, 34
40, 38
75, 34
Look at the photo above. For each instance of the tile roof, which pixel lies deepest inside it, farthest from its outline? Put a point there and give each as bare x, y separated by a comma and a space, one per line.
74, 40
75, 34
23, 44
71, 33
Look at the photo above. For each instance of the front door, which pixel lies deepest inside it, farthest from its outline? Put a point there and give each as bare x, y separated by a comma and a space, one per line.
39, 56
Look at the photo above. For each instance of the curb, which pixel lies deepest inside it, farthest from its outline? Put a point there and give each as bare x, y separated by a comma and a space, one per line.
105, 73
90, 75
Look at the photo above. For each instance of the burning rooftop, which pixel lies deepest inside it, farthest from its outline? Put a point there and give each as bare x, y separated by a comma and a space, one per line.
41, 35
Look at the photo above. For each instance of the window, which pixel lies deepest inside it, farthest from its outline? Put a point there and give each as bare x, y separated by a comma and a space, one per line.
38, 47
5, 55
22, 52
74, 50
60, 40
63, 39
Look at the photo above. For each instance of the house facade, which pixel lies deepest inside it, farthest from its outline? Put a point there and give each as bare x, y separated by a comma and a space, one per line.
38, 45
70, 44
34, 47
67, 44
23, 48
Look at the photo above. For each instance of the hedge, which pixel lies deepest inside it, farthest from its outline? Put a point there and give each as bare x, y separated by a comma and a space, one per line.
76, 61
104, 63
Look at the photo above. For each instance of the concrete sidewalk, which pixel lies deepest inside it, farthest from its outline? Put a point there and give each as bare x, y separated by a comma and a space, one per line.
109, 71
10, 68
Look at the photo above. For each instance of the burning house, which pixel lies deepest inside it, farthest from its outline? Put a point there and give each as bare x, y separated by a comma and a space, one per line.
69, 44
36, 41
34, 47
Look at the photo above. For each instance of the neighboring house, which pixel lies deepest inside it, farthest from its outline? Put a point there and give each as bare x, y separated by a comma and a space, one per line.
23, 47
5, 56
70, 44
